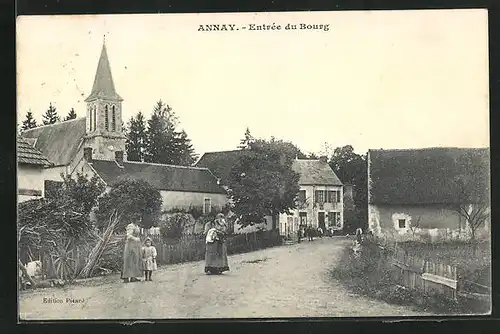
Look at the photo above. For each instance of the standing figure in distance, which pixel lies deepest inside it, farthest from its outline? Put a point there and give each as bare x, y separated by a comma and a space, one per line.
216, 249
132, 268
149, 259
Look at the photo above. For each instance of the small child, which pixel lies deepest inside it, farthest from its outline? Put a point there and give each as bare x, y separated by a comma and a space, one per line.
149, 258
212, 235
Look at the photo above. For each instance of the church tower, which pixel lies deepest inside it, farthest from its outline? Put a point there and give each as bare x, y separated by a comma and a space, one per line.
104, 115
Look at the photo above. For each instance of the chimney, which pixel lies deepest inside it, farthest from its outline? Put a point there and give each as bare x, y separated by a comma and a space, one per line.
119, 158
323, 159
87, 154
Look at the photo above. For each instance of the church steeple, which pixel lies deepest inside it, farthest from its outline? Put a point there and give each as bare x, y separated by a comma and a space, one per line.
104, 114
104, 86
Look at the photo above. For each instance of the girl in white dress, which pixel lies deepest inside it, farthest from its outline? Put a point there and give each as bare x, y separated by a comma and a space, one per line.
149, 259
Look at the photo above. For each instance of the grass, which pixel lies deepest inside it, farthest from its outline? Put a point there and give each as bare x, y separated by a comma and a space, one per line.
372, 275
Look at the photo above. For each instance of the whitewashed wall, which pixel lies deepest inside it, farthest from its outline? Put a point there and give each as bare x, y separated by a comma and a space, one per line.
30, 178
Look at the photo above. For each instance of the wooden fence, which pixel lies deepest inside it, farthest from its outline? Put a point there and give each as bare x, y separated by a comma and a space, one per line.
428, 275
417, 273
192, 247
188, 248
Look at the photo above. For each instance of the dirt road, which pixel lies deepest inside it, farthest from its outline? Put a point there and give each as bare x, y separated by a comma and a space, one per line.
287, 281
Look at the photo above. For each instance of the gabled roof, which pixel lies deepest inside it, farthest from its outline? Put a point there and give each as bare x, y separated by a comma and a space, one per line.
104, 86
425, 176
315, 172
162, 177
311, 171
27, 154
220, 163
59, 142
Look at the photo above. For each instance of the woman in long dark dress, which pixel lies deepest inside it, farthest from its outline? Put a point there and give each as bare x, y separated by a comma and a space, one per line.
132, 265
216, 248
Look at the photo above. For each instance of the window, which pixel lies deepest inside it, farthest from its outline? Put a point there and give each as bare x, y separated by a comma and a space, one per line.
319, 196
95, 117
113, 118
402, 223
106, 121
90, 119
207, 205
303, 218
302, 196
327, 196
334, 219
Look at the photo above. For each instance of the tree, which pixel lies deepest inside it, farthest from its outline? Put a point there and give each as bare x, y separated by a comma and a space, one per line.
262, 181
71, 115
29, 122
82, 191
247, 140
351, 168
133, 200
185, 151
473, 190
50, 116
136, 138
164, 143
160, 133
415, 226
44, 222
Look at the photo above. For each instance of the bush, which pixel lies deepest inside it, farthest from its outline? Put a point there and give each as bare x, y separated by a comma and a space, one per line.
174, 224
134, 200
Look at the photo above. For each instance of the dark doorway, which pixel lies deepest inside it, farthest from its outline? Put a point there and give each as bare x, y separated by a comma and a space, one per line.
321, 220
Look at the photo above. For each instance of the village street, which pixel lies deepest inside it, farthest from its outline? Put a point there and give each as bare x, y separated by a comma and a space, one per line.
286, 281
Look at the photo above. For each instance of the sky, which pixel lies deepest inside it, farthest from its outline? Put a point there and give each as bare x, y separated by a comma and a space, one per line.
374, 79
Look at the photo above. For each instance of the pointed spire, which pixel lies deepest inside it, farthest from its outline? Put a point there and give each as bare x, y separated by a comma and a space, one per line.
103, 83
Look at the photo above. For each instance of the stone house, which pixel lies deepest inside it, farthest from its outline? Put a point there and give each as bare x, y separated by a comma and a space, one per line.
320, 198
417, 190
30, 166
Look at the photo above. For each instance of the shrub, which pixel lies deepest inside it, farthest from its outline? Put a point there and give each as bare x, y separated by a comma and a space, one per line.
174, 224
134, 200
371, 274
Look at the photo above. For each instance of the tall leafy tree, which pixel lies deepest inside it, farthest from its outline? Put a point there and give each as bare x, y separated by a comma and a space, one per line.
164, 144
134, 201
136, 138
71, 115
186, 154
50, 116
160, 134
472, 190
351, 168
29, 122
262, 181
246, 140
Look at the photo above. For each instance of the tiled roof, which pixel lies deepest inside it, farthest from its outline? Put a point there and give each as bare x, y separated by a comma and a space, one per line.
104, 86
315, 172
27, 154
58, 142
220, 163
425, 176
311, 171
162, 177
